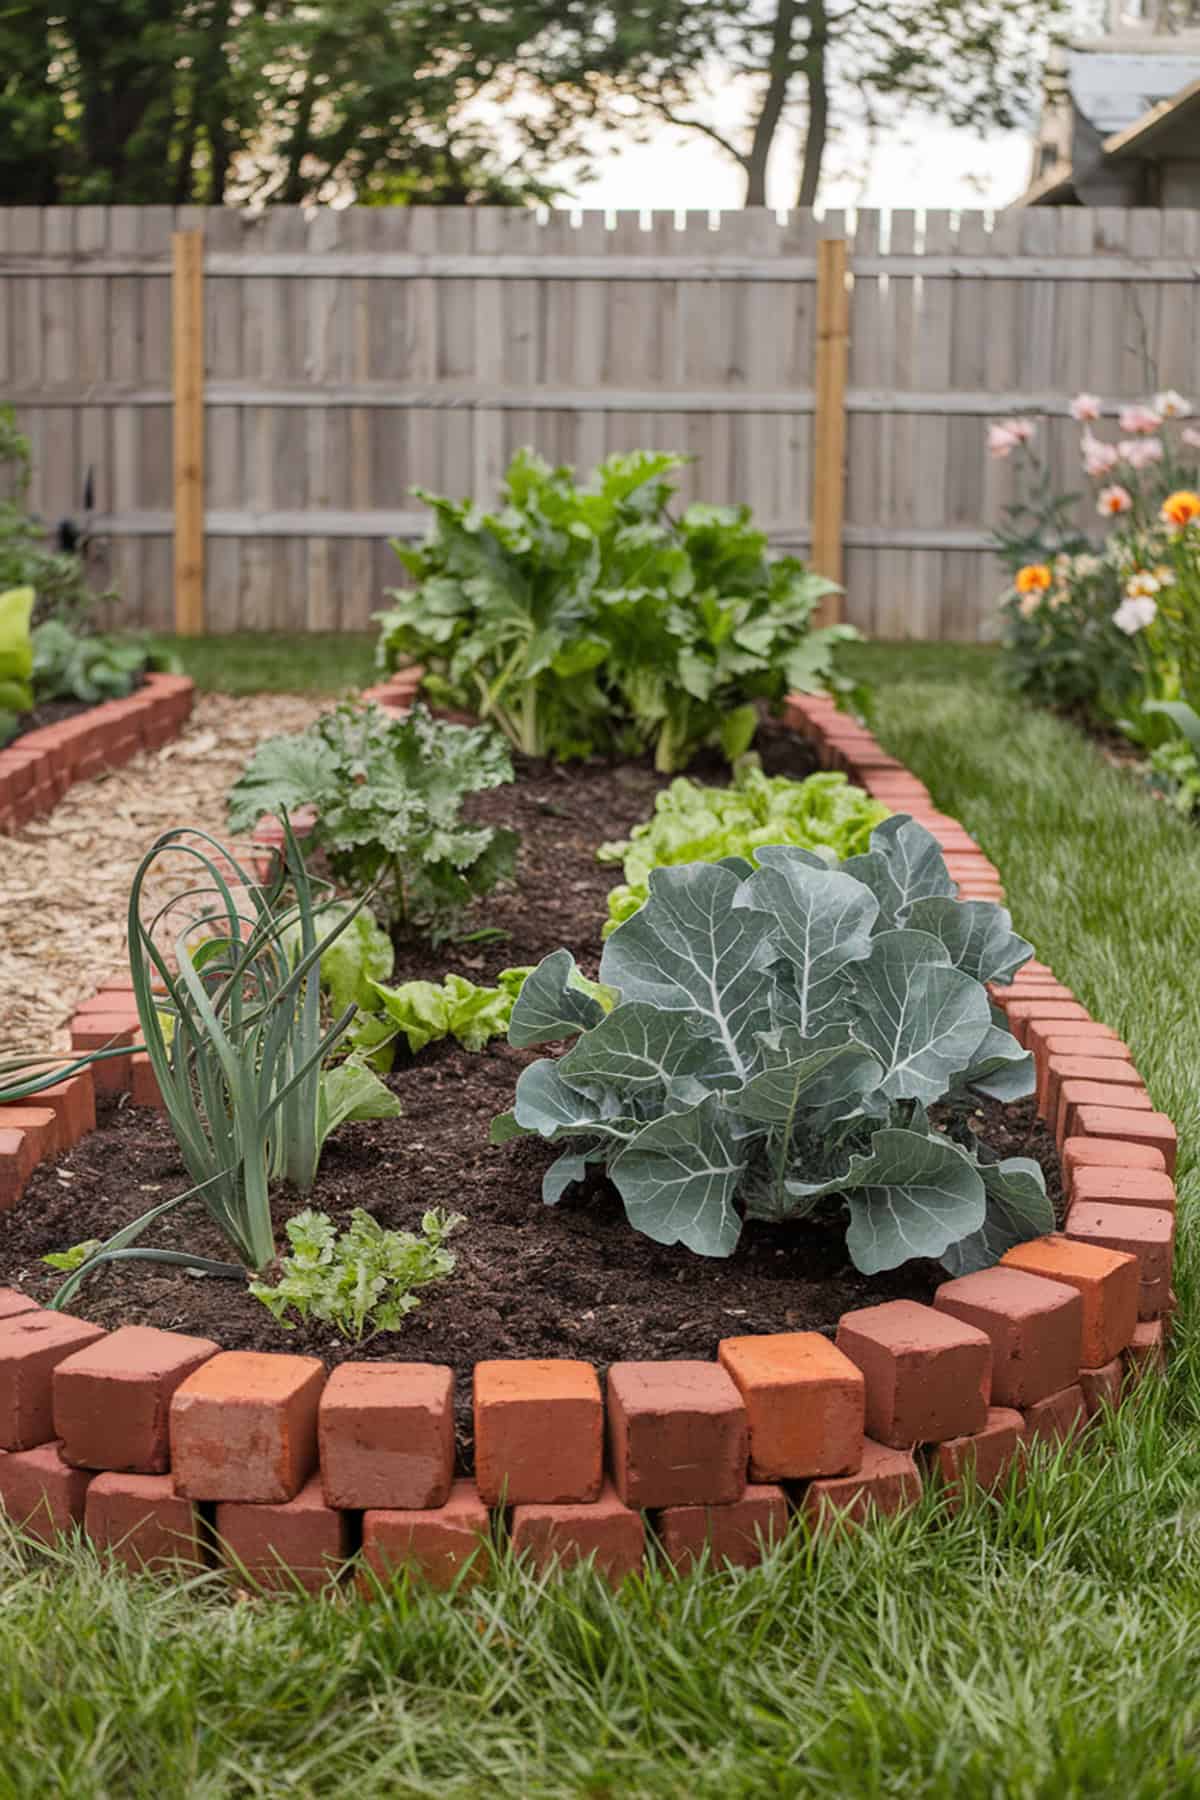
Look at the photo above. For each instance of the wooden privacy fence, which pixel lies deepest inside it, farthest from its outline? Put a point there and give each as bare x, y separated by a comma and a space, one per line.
326, 362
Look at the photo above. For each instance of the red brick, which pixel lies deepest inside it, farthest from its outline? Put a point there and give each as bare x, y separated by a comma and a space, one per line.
21, 769
13, 1301
1075, 1097
18, 1160
439, 1545
1096, 1185
32, 1344
605, 1530
244, 1427
1056, 1419
805, 1402
1046, 989
1035, 1327
301, 1542
112, 1401
734, 1534
987, 1454
39, 1123
677, 1434
40, 1492
1022, 1014
142, 1521
539, 1431
1102, 1387
100, 1031
1106, 1153
887, 1482
386, 1433
1112, 1071
143, 1082
115, 999
928, 1375
1105, 1051
1152, 1129
1043, 1032
1146, 1232
1146, 1352
1107, 1280
73, 1102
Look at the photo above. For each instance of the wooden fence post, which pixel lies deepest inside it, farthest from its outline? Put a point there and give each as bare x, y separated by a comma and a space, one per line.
187, 355
829, 424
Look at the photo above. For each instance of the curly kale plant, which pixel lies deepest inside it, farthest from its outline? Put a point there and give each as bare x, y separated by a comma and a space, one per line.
586, 617
388, 794
692, 823
780, 1035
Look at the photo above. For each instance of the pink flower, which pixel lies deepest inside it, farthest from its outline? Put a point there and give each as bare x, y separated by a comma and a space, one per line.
1140, 420
1139, 453
1003, 438
1191, 436
1114, 500
1085, 408
1001, 441
1099, 458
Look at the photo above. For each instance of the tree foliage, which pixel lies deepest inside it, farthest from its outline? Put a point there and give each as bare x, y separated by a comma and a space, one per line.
204, 101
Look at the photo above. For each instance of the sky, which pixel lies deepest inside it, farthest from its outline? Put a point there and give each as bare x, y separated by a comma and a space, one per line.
926, 165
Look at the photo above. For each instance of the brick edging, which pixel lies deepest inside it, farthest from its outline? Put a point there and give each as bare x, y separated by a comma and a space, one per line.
165, 1447
37, 769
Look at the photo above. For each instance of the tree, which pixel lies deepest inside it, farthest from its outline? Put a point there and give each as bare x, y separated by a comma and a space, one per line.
810, 63
179, 101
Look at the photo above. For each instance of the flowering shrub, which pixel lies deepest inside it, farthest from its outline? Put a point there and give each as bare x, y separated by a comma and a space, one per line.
1108, 621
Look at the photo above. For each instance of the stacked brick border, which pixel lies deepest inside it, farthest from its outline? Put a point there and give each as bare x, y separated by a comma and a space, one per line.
38, 768
166, 1448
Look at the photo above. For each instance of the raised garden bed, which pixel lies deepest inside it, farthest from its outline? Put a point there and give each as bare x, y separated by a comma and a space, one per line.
38, 767
715, 1372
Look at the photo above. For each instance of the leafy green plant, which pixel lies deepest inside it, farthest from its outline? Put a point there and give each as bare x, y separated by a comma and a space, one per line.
70, 666
693, 823
229, 1008
780, 1035
16, 659
57, 577
586, 617
422, 1012
388, 794
361, 1281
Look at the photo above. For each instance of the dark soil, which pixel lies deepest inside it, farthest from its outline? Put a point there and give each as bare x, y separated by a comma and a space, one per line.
50, 712
560, 894
531, 1280
53, 712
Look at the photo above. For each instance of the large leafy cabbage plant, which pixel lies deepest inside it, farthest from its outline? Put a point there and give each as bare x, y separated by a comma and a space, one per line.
585, 616
780, 1036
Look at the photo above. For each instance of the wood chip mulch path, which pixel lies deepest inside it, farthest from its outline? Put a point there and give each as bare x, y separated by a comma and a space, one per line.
65, 879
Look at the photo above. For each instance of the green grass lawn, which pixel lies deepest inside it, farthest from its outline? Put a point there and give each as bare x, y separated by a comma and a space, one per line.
269, 662
1043, 1645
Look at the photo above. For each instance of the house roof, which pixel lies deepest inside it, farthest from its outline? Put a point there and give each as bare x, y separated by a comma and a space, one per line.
1171, 128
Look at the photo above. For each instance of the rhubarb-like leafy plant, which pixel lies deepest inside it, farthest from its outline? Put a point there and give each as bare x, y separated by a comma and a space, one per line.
587, 616
388, 795
780, 1036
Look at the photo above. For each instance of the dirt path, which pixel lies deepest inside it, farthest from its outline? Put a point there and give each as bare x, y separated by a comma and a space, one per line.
64, 880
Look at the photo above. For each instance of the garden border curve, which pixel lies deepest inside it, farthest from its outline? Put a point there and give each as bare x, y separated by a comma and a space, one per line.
165, 1447
37, 768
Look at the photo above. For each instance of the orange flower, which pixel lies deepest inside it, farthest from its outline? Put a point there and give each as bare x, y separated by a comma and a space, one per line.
1181, 508
1034, 578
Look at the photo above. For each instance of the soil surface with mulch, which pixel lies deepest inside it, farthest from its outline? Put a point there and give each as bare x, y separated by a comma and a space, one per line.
531, 1280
